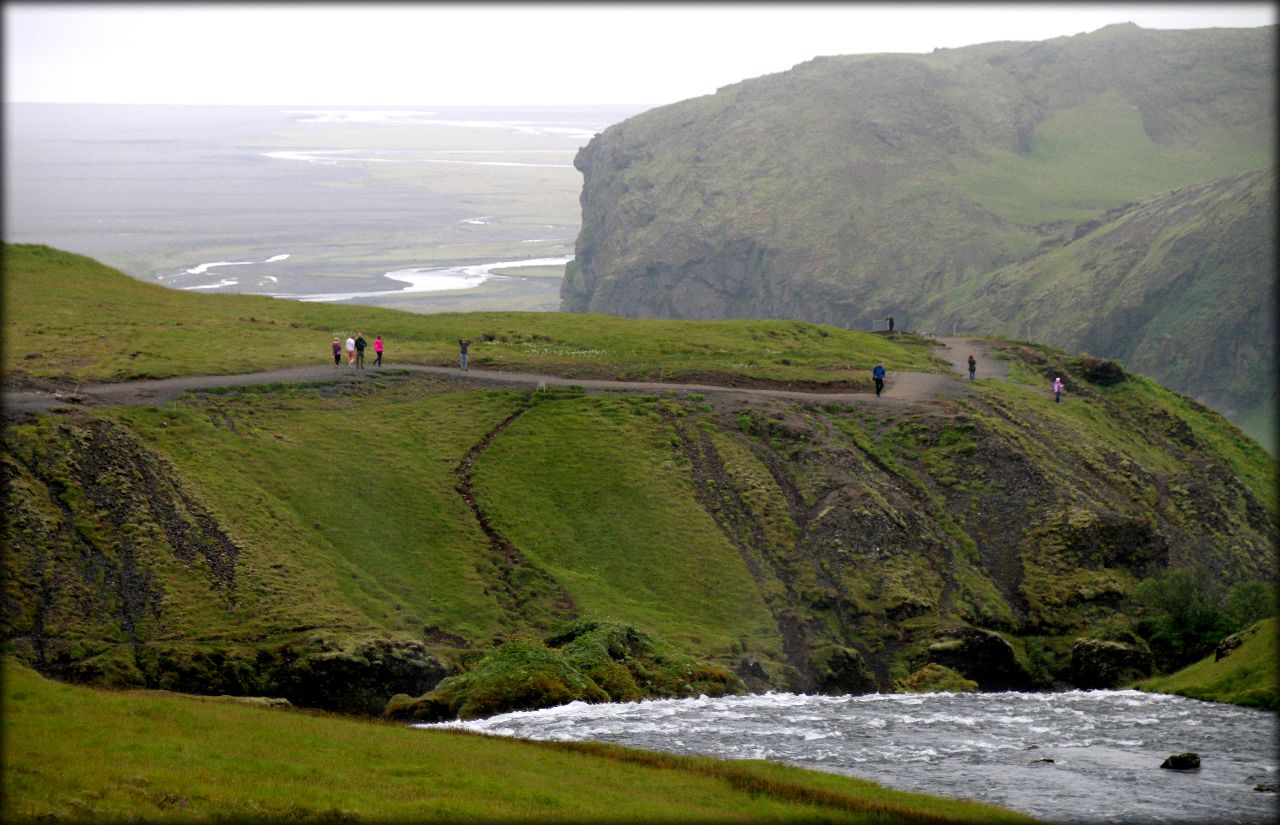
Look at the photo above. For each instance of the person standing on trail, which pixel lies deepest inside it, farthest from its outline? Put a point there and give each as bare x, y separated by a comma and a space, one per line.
377, 351
890, 320
337, 351
1057, 390
351, 351
878, 375
360, 346
973, 366
463, 343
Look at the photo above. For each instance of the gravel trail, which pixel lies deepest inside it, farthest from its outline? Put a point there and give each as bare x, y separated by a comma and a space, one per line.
900, 387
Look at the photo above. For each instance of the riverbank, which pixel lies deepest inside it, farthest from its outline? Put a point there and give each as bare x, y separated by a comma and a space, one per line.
81, 755
1242, 671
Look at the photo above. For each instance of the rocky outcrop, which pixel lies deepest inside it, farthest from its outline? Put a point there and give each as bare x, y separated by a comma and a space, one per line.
589, 661
841, 670
353, 675
934, 678
1182, 762
982, 656
1106, 663
1229, 645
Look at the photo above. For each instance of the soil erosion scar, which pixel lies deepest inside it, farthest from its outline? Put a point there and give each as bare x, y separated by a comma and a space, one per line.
543, 593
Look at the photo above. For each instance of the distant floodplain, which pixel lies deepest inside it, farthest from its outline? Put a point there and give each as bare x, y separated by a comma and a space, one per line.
419, 208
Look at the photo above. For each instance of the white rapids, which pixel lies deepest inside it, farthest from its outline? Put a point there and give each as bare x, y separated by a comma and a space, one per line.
1074, 757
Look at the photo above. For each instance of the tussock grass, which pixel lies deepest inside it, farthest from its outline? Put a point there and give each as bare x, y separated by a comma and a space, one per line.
76, 754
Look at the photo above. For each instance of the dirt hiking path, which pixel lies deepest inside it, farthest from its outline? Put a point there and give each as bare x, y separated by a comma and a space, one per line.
900, 387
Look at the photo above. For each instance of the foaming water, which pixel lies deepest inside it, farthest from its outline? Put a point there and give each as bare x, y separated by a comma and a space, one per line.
1081, 756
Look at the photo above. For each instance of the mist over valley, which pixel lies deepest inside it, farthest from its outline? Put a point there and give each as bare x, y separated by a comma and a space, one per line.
308, 202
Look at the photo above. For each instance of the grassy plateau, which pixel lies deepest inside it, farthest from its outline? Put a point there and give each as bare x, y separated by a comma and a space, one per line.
62, 324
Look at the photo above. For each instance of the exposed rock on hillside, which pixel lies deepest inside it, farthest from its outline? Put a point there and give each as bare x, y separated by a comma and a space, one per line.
1109, 663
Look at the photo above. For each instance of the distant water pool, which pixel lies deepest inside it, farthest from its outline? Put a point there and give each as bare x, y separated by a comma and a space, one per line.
1075, 757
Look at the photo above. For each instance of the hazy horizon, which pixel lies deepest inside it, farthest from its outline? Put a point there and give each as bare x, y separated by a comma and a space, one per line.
419, 208
500, 54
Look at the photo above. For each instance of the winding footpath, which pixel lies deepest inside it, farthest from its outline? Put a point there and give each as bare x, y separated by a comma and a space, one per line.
900, 387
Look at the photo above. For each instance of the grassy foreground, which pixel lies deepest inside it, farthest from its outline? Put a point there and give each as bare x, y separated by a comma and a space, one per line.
89, 755
1245, 676
69, 317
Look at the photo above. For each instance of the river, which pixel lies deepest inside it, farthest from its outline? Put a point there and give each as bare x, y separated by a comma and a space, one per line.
1074, 757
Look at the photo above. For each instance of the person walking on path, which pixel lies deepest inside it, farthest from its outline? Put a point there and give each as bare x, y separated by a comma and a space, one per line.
377, 351
463, 343
1057, 390
890, 320
351, 351
337, 351
973, 366
878, 375
360, 346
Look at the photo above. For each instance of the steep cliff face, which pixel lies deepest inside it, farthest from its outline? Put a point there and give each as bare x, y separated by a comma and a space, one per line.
852, 188
1180, 286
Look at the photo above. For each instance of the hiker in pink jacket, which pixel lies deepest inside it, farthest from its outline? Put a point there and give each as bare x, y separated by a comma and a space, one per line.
377, 349
1057, 390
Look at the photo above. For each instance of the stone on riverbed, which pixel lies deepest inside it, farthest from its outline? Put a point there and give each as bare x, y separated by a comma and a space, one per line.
1182, 762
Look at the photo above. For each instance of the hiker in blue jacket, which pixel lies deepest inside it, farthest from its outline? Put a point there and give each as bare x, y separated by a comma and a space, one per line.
878, 375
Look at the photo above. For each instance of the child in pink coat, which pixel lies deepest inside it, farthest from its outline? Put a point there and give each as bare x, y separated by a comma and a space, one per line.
377, 348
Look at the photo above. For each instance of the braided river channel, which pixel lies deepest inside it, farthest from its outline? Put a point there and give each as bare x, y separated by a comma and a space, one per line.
1073, 757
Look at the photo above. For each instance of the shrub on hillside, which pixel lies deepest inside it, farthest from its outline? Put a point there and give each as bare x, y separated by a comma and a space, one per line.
1185, 612
588, 661
514, 676
1101, 371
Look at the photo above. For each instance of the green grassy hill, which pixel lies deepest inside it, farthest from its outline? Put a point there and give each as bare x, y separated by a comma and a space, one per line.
70, 319
851, 188
341, 543
1242, 671
78, 755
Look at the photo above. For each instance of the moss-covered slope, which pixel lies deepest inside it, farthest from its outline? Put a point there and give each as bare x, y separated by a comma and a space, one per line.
851, 188
338, 544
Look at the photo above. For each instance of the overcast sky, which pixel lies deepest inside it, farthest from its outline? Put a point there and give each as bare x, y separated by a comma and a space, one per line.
415, 54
